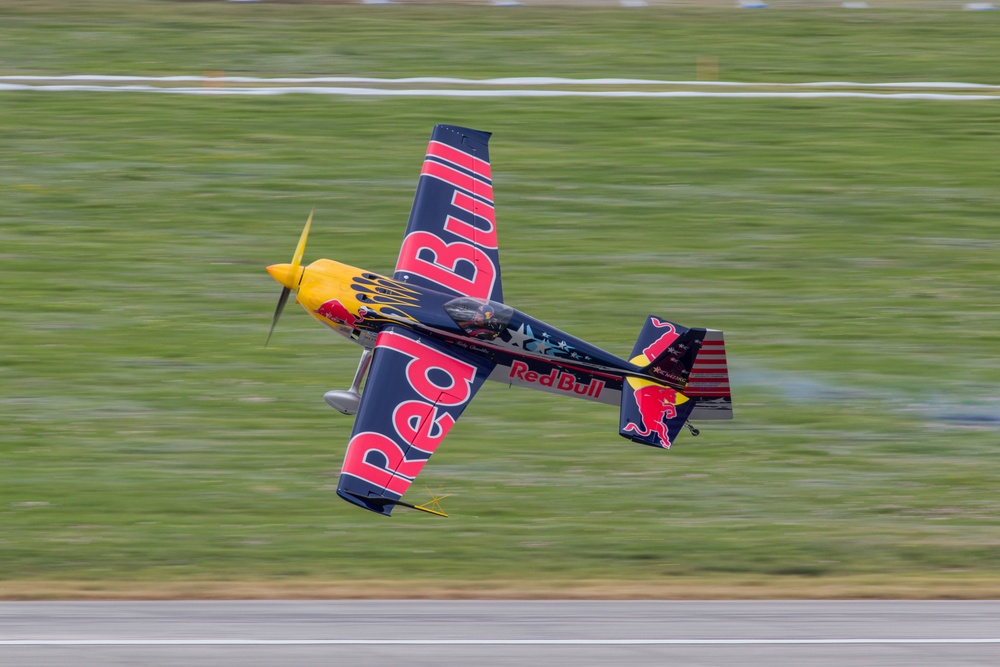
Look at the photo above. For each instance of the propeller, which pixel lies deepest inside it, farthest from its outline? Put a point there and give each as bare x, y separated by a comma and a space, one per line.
289, 275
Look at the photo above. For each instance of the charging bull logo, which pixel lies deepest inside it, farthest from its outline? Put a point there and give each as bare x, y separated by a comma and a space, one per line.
656, 403
335, 311
658, 346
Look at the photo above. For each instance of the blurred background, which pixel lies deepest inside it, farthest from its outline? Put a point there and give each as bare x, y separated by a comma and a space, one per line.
847, 245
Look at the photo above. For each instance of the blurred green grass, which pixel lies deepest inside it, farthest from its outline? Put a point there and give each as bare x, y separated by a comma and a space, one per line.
848, 248
275, 39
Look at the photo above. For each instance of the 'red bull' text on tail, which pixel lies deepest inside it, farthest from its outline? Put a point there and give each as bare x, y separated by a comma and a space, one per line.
681, 374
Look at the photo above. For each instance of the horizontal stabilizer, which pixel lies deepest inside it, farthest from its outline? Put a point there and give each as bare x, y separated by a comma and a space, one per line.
666, 351
654, 412
651, 413
685, 377
708, 383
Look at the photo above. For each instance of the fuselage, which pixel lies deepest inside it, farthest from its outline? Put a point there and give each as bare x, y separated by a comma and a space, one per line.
527, 351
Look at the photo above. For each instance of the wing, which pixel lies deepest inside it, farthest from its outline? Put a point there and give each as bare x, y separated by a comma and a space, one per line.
451, 238
415, 392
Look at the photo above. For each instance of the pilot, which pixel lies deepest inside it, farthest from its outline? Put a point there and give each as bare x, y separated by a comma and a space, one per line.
479, 325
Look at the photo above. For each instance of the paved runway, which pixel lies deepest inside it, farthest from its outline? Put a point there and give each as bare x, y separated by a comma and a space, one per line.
488, 633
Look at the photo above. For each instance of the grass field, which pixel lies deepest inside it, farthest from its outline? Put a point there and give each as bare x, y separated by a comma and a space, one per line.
149, 445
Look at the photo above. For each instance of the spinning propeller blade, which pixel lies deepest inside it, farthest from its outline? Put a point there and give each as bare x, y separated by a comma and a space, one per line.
301, 247
289, 275
282, 300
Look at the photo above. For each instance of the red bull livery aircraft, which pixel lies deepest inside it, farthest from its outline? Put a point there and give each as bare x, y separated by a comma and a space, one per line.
438, 328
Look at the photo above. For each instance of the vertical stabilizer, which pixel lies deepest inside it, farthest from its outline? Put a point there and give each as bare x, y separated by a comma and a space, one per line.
654, 412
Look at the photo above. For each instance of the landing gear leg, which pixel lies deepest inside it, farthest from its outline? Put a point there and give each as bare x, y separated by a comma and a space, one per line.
694, 432
347, 401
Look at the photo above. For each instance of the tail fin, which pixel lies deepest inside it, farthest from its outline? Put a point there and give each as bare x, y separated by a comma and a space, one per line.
681, 360
652, 413
666, 351
708, 383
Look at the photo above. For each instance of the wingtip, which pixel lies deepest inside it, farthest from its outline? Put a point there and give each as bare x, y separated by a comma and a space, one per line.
423, 508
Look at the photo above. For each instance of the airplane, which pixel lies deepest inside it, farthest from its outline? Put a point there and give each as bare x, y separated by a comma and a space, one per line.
438, 328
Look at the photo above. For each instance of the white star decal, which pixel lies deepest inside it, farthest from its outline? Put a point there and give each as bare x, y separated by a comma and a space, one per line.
519, 336
541, 347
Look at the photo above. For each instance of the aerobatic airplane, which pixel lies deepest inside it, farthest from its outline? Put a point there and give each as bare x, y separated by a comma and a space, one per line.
438, 328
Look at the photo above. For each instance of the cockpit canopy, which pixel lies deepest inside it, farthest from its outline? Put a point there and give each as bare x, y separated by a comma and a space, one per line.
479, 318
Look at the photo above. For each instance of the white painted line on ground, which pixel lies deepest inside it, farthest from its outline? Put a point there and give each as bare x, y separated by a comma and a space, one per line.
389, 92
485, 642
503, 81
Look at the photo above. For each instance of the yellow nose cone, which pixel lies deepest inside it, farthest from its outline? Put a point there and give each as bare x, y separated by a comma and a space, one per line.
286, 274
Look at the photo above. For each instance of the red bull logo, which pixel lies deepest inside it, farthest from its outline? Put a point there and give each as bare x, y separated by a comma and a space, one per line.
335, 311
434, 388
470, 223
655, 403
658, 346
561, 381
